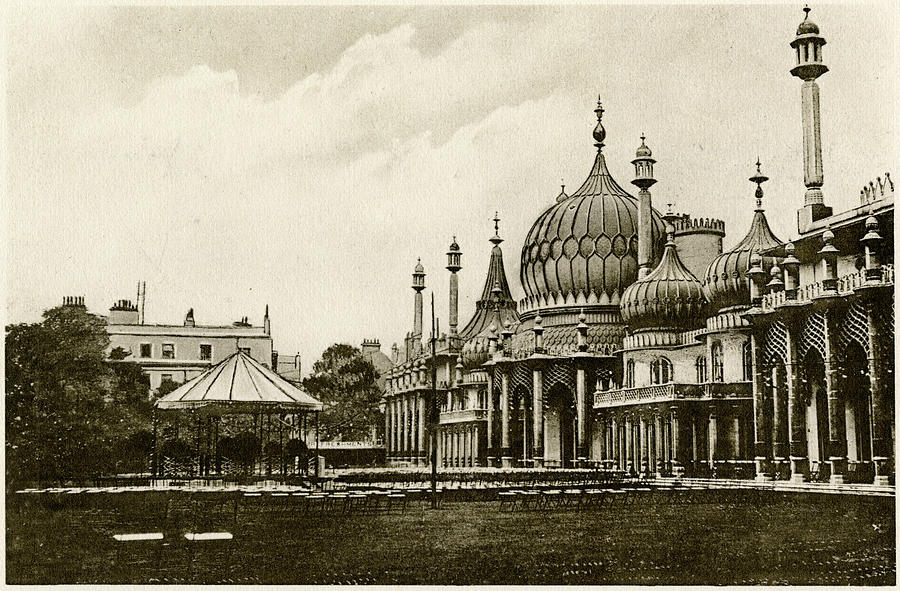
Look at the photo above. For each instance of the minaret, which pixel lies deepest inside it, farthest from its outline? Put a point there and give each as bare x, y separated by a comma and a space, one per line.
418, 285
808, 45
453, 265
643, 179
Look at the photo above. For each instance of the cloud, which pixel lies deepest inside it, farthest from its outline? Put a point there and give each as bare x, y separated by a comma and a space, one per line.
318, 200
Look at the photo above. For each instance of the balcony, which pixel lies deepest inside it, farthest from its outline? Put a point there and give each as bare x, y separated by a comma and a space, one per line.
462, 416
845, 285
672, 392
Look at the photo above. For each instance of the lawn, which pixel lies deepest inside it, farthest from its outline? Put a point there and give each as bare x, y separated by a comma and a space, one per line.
787, 539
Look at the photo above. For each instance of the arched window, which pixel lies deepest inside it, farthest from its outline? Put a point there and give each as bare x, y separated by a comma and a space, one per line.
747, 357
700, 364
718, 370
629, 374
661, 371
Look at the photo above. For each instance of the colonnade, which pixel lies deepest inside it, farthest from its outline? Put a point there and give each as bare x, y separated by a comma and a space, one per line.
405, 427
459, 446
782, 395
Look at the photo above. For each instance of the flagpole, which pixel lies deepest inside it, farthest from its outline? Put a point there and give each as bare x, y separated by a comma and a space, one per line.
433, 413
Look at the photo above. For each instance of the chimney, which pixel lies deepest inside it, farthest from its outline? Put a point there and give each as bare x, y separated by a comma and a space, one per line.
123, 312
189, 318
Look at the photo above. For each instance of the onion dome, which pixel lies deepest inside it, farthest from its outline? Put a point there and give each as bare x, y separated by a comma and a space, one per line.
669, 298
584, 247
807, 27
643, 151
726, 280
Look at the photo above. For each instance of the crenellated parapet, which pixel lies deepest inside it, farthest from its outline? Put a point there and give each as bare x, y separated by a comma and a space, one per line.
877, 190
687, 225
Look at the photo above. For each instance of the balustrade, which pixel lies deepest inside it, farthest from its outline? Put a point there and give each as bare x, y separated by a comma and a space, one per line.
845, 285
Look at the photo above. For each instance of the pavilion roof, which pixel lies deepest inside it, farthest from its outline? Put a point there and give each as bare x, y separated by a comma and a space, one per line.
239, 384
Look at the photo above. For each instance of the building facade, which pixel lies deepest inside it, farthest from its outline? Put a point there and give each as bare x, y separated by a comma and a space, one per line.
177, 353
641, 346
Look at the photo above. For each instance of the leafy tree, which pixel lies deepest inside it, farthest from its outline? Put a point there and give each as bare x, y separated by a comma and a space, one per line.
345, 382
68, 408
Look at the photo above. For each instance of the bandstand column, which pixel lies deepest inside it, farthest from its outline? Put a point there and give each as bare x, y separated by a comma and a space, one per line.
837, 428
537, 415
881, 409
505, 459
762, 449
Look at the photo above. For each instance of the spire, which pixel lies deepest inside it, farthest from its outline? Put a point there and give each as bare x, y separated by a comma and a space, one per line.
496, 304
759, 178
599, 132
267, 327
496, 237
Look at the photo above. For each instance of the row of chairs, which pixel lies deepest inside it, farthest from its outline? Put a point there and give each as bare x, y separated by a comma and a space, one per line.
583, 498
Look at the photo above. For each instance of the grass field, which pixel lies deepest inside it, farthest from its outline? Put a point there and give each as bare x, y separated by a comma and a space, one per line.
789, 539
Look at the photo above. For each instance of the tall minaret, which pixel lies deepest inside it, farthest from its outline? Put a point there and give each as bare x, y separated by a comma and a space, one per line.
453, 265
643, 179
808, 45
418, 285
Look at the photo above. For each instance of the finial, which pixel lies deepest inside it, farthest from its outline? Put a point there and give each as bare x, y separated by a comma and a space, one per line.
759, 178
496, 237
670, 234
806, 9
599, 132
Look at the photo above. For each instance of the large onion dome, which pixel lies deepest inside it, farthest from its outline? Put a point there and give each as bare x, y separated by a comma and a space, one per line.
669, 298
584, 247
726, 281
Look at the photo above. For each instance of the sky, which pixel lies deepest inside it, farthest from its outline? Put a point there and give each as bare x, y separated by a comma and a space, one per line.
304, 157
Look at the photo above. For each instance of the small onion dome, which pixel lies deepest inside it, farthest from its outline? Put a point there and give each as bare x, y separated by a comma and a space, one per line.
419, 268
643, 151
669, 298
476, 352
807, 27
453, 245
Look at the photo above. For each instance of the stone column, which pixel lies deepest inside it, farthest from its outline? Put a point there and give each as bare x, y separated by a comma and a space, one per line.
712, 437
490, 421
614, 443
629, 440
476, 447
537, 414
796, 411
580, 416
658, 436
881, 408
762, 448
388, 447
505, 458
780, 446
645, 449
676, 453
837, 428
421, 436
601, 426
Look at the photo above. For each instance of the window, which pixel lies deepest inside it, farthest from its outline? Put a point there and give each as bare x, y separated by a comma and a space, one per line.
747, 356
166, 377
168, 351
629, 374
661, 371
718, 370
205, 352
146, 350
700, 364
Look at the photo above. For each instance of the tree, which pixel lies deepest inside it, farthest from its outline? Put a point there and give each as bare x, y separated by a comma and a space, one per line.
68, 408
345, 382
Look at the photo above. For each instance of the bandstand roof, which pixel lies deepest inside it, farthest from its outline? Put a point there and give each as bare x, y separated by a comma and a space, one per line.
239, 384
